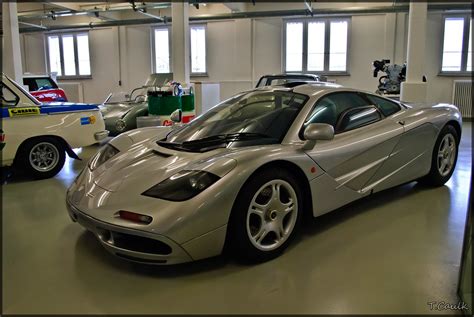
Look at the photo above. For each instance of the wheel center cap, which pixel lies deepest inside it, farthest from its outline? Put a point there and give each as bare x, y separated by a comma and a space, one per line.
273, 215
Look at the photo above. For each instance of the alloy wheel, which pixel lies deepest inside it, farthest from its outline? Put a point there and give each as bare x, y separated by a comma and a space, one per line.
44, 157
446, 154
272, 215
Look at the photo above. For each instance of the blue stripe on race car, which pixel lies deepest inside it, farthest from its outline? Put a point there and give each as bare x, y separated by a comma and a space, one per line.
52, 108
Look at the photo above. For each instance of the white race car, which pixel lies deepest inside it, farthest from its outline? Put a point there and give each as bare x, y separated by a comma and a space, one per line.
35, 137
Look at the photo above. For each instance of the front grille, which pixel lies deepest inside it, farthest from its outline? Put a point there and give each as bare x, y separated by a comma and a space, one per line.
135, 243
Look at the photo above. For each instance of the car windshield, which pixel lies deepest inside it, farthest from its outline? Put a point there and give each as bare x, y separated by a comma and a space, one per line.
255, 115
136, 95
282, 80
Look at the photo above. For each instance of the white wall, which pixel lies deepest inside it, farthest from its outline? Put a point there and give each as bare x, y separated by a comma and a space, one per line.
240, 51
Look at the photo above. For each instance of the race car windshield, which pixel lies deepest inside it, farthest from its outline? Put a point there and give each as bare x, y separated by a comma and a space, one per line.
265, 115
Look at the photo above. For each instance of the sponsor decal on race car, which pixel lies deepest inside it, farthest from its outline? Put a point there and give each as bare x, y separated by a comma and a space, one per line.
88, 120
23, 111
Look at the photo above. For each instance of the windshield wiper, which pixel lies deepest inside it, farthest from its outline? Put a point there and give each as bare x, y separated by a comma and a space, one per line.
229, 137
213, 141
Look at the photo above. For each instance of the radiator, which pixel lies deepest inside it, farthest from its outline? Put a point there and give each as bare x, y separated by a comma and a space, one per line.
462, 97
74, 91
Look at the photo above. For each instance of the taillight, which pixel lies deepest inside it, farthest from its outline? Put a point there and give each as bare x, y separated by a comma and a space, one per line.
134, 217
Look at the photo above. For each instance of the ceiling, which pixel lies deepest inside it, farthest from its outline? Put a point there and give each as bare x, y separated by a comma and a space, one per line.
42, 16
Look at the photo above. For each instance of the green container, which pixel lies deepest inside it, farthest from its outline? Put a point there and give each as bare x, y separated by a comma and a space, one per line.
163, 105
187, 102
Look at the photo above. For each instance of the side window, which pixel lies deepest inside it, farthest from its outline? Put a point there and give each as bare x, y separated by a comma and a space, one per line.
386, 106
9, 99
329, 108
358, 117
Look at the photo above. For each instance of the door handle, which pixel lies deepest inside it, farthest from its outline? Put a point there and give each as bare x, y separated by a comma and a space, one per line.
402, 122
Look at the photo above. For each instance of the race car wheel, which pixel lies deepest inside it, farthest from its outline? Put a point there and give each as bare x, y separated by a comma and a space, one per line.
42, 157
265, 215
445, 154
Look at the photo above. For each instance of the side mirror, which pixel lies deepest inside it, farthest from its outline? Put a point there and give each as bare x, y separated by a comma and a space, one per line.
176, 115
317, 131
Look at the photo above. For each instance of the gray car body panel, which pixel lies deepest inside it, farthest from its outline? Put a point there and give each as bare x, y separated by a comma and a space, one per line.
126, 111
354, 164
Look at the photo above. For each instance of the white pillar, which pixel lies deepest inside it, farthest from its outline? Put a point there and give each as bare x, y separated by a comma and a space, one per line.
414, 89
180, 42
11, 54
390, 36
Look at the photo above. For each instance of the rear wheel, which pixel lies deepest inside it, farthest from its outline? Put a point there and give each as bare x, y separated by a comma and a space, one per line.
42, 157
266, 215
444, 157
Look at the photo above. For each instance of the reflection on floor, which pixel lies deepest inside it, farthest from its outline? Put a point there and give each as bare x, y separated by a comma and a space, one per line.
392, 253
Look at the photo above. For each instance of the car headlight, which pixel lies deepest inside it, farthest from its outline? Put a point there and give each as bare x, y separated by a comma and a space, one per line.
182, 186
120, 125
104, 154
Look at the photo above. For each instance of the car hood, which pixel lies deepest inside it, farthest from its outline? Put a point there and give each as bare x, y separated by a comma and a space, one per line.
146, 164
117, 109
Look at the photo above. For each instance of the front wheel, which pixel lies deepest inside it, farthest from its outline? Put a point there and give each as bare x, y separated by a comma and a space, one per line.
444, 157
42, 157
265, 215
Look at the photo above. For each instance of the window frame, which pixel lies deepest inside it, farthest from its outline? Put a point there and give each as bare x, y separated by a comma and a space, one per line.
198, 74
76, 55
465, 46
327, 39
170, 48
17, 98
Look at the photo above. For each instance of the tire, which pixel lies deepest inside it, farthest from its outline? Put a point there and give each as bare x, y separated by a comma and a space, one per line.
41, 157
255, 233
444, 157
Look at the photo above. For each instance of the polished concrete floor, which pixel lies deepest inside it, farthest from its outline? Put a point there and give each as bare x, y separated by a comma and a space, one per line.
391, 253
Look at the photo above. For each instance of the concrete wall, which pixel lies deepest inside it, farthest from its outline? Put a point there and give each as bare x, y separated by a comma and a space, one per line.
240, 51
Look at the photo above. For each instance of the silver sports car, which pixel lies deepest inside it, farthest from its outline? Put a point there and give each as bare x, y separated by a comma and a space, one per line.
244, 174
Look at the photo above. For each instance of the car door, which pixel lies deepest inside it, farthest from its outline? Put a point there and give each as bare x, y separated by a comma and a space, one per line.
411, 157
364, 139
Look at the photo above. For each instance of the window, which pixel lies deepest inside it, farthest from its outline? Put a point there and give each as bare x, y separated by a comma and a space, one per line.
68, 54
329, 108
317, 45
457, 46
294, 46
162, 50
198, 49
386, 106
9, 99
358, 117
